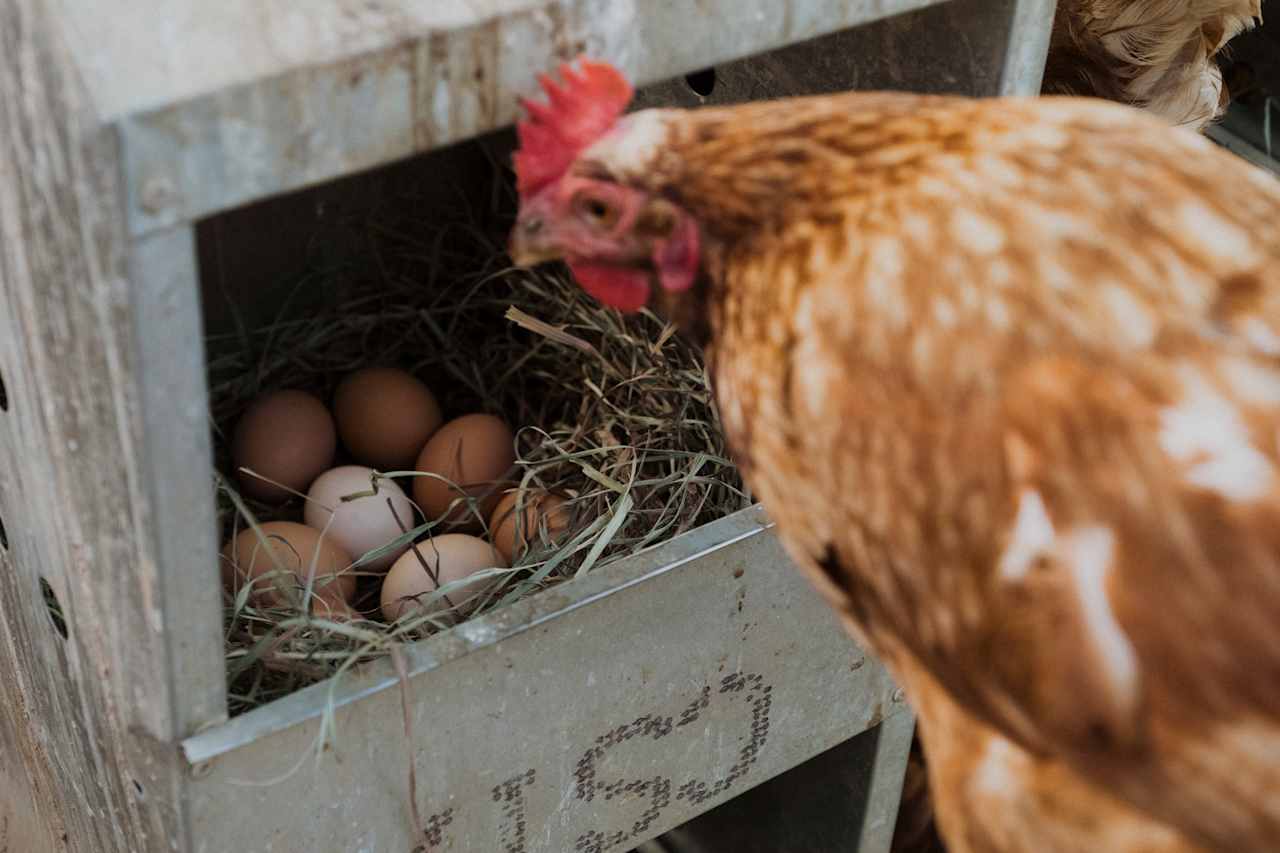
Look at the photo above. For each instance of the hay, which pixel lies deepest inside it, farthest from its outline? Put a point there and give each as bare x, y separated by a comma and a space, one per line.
612, 411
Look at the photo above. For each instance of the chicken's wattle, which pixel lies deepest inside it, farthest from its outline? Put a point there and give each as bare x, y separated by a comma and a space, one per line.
624, 288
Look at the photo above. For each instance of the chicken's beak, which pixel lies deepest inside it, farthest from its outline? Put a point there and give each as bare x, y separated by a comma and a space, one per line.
531, 241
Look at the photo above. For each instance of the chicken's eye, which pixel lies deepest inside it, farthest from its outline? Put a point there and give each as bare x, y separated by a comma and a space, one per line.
596, 210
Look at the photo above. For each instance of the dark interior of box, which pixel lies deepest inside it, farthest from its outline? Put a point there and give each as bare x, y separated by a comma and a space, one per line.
1251, 69
253, 259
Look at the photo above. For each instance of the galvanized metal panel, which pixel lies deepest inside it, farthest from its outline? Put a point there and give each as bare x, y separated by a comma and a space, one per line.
893, 746
168, 353
148, 55
1030, 28
967, 47
844, 800
591, 717
1233, 142
222, 104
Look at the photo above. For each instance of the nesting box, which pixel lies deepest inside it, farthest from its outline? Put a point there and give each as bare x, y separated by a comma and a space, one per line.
133, 139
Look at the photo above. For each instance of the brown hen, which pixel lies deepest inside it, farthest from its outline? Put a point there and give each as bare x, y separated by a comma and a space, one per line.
1006, 374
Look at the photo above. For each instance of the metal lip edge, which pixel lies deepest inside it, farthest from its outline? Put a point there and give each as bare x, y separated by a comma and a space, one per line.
1242, 148
484, 632
647, 71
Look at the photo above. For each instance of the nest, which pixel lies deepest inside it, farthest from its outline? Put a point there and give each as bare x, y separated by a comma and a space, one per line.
612, 411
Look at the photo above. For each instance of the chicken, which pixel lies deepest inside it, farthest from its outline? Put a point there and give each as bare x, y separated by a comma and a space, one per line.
1006, 375
1161, 55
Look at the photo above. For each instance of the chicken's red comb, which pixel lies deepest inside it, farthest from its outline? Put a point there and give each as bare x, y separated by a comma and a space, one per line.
576, 115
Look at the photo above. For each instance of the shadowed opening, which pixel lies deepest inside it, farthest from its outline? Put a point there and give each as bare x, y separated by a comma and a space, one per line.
55, 608
702, 82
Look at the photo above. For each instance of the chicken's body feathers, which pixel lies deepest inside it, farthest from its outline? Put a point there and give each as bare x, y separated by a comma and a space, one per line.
927, 313
1006, 373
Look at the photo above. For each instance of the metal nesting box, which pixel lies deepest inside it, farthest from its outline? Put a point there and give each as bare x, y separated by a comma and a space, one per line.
710, 664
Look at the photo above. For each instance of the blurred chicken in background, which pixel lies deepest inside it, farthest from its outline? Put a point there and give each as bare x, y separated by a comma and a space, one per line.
1159, 55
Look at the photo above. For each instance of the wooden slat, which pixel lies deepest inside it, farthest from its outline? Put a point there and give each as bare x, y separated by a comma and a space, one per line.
90, 723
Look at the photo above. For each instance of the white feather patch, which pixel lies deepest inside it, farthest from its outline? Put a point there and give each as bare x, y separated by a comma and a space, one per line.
1215, 235
944, 312
883, 276
1260, 335
633, 145
1252, 381
1132, 319
1089, 554
995, 774
1032, 536
1205, 432
976, 232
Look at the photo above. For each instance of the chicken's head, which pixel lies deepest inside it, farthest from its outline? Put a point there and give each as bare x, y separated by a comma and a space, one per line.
581, 199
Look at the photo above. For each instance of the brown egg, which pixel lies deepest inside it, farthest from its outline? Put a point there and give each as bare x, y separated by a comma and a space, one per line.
453, 557
294, 546
385, 416
287, 436
514, 532
473, 451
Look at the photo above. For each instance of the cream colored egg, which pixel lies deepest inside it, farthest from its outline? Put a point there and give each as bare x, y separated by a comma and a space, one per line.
451, 557
359, 526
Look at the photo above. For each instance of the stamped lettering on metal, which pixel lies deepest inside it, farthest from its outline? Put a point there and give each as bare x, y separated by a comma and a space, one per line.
510, 816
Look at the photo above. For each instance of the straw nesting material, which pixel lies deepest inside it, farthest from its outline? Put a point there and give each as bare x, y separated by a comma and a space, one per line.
612, 411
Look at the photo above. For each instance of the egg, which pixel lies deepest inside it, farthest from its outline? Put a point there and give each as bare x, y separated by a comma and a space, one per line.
474, 451
361, 525
287, 436
385, 416
513, 532
453, 556
295, 547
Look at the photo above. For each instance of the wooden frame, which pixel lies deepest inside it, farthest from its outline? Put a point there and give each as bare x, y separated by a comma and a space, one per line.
120, 125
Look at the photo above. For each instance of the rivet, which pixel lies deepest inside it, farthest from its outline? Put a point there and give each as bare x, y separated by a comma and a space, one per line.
156, 194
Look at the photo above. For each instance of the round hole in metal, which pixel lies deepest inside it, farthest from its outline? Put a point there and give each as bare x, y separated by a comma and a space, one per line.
55, 608
702, 82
